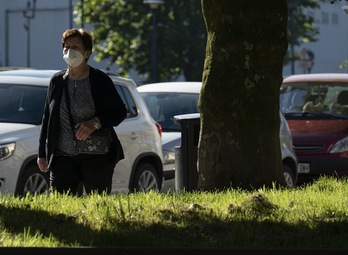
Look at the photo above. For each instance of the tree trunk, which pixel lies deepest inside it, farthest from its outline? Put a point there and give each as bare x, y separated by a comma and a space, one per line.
239, 102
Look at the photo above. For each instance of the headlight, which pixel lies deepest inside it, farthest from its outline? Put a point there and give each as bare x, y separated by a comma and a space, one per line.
6, 150
340, 146
168, 157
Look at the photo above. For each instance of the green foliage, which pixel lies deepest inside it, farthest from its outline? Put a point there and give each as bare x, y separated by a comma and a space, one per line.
305, 217
344, 65
123, 35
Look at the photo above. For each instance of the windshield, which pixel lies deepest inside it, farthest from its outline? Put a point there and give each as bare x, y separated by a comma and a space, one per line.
164, 106
22, 104
309, 99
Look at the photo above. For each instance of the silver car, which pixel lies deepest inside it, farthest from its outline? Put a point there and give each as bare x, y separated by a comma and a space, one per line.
22, 98
168, 99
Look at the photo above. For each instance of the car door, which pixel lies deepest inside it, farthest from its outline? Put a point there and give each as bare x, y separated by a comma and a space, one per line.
128, 134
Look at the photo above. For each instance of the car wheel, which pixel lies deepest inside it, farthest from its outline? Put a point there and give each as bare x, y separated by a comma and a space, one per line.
33, 181
289, 176
145, 178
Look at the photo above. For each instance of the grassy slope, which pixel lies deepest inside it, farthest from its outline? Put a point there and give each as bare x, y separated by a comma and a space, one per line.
306, 217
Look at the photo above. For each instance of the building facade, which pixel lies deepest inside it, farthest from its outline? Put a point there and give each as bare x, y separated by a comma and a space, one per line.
31, 37
331, 49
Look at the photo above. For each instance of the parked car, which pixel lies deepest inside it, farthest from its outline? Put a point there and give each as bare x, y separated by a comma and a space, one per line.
316, 109
22, 98
167, 99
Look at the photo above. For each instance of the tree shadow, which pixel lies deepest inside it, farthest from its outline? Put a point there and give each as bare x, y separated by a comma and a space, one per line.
201, 229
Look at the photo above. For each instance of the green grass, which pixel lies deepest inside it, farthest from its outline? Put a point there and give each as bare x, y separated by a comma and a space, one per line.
312, 216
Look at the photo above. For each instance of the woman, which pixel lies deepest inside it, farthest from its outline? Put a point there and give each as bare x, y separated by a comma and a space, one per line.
80, 100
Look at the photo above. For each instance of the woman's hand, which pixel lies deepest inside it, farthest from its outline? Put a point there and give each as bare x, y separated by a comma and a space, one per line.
42, 164
84, 129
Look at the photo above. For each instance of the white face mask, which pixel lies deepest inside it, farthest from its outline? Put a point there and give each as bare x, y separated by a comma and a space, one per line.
73, 58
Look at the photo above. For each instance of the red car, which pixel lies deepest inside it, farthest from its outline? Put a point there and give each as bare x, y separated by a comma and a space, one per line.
316, 109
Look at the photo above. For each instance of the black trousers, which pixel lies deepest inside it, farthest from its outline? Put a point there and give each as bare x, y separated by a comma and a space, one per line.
93, 171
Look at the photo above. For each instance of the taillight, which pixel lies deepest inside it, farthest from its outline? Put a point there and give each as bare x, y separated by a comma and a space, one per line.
159, 128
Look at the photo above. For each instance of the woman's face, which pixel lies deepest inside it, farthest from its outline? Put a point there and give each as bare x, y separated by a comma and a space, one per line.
76, 44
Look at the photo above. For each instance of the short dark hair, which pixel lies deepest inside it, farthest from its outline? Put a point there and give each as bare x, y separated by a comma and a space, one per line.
85, 36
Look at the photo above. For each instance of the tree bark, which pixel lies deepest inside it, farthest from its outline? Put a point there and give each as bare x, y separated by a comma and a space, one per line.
239, 103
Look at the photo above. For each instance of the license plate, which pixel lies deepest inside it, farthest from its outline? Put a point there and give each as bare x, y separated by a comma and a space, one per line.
303, 168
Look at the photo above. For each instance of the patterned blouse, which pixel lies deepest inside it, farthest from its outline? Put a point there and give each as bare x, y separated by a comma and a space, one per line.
82, 109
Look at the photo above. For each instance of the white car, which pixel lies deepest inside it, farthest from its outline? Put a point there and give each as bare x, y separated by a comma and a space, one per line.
168, 99
22, 97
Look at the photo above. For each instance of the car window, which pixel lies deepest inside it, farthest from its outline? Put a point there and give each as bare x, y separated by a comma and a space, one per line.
22, 104
163, 106
128, 100
318, 97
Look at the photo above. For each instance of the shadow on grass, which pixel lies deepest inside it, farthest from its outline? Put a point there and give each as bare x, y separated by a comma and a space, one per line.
201, 229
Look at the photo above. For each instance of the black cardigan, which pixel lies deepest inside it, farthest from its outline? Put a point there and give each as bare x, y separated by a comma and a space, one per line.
109, 108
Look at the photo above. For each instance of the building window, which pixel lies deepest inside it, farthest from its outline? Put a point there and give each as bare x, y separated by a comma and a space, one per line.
334, 18
324, 18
